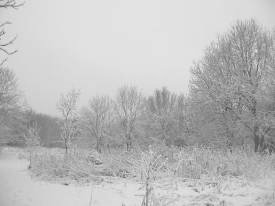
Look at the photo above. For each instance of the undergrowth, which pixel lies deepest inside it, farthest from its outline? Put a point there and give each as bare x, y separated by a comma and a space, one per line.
191, 163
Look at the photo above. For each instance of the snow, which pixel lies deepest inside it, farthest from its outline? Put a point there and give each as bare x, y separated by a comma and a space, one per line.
19, 189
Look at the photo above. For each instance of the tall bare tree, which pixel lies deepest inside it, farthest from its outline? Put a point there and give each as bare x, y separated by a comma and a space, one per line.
232, 77
161, 107
9, 98
182, 116
67, 106
9, 95
8, 85
128, 107
96, 119
32, 137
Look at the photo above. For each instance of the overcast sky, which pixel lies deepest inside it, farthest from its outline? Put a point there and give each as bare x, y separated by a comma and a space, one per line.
99, 45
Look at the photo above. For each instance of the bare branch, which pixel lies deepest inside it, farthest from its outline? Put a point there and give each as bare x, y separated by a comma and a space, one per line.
10, 4
128, 106
67, 105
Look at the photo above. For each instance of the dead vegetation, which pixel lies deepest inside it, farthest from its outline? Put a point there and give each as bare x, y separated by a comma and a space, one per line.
201, 170
191, 163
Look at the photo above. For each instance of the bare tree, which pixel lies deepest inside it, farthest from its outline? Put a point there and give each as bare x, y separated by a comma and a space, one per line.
128, 107
96, 119
8, 88
67, 105
182, 116
8, 85
9, 94
32, 137
161, 108
232, 77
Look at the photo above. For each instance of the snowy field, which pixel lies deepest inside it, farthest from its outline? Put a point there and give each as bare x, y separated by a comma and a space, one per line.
18, 188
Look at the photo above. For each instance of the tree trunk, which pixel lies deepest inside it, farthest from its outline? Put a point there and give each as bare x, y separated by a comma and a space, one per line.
163, 133
108, 147
256, 134
66, 146
262, 143
229, 135
30, 156
128, 142
164, 139
99, 144
256, 138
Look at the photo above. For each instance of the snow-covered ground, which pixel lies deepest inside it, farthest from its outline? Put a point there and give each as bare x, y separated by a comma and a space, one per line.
17, 188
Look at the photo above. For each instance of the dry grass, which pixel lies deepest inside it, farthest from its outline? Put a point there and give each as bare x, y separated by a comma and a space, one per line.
191, 163
197, 163
52, 164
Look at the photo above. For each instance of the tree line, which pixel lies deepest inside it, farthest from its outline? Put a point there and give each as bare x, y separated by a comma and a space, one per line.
231, 102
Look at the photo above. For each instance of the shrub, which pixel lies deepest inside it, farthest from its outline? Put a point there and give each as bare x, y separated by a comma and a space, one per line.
194, 162
191, 162
54, 165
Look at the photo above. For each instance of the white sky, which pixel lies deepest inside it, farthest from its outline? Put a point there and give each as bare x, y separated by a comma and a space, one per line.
99, 45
